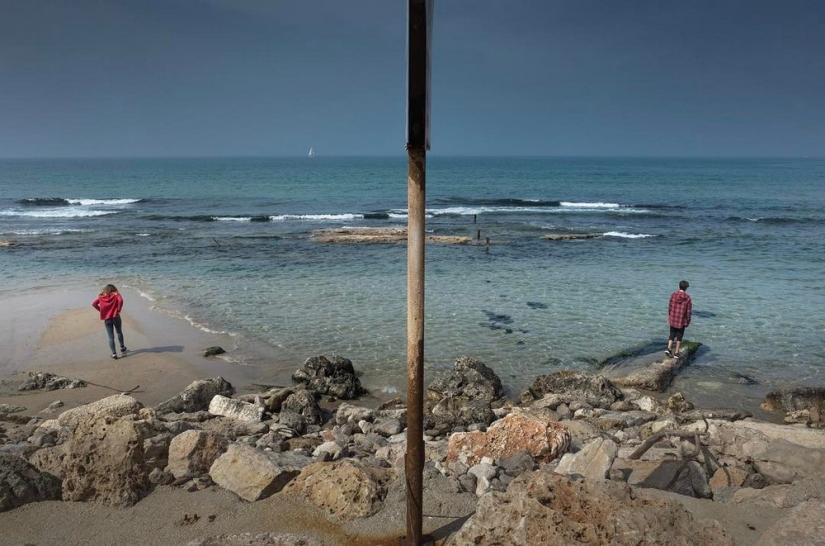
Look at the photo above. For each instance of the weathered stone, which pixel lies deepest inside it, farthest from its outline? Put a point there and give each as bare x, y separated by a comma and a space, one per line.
622, 419
303, 403
274, 399
593, 461
795, 399
348, 413
22, 483
156, 450
470, 379
235, 409
212, 351
335, 377
728, 477
804, 526
547, 508
192, 453
112, 406
677, 403
345, 490
328, 451
648, 403
724, 414
50, 460
105, 462
196, 396
252, 474
515, 464
10, 408
387, 427
484, 473
449, 413
49, 382
596, 390
517, 432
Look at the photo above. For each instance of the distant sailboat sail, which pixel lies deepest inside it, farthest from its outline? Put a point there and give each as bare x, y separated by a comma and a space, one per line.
311, 152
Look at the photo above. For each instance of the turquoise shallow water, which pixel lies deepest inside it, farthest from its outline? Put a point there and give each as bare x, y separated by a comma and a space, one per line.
225, 242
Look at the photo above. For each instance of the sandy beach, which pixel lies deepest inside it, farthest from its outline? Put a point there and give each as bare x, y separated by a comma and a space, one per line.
58, 331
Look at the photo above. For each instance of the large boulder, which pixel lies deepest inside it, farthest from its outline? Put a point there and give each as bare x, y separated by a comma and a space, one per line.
252, 474
22, 483
795, 399
192, 453
345, 490
302, 402
470, 379
114, 406
547, 508
596, 390
781, 453
105, 462
196, 396
334, 377
518, 431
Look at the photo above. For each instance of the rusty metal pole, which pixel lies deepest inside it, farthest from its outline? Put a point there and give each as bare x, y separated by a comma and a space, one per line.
416, 195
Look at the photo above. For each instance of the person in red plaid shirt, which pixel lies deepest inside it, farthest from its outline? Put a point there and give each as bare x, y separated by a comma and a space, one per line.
678, 312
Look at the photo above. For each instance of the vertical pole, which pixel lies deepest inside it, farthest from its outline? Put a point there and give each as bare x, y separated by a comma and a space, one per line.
416, 195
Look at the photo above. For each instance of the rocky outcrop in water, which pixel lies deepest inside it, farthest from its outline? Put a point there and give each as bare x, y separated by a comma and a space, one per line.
334, 377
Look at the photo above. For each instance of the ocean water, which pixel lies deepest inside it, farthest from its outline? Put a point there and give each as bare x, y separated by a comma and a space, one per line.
225, 243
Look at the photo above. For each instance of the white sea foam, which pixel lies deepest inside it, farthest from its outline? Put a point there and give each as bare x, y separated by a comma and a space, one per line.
325, 217
590, 205
62, 212
627, 235
53, 231
91, 202
232, 218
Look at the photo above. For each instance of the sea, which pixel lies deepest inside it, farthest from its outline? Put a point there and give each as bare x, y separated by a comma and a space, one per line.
226, 244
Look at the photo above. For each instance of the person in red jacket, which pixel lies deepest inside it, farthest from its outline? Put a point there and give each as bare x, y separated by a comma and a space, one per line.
109, 302
679, 310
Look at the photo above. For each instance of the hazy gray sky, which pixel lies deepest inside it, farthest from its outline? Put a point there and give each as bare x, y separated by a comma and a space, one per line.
514, 77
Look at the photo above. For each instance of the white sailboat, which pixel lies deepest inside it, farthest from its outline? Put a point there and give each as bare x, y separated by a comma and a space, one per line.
311, 152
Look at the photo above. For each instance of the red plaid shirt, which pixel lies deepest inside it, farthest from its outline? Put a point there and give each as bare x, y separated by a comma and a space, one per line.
679, 309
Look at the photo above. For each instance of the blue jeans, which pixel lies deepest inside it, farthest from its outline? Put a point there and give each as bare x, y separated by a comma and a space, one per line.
113, 324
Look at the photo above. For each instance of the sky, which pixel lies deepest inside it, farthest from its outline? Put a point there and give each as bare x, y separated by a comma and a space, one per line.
121, 78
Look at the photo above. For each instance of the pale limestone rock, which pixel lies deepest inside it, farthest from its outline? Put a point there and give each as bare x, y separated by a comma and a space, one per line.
592, 462
235, 409
345, 489
252, 474
196, 396
728, 476
544, 440
805, 525
192, 453
105, 462
113, 406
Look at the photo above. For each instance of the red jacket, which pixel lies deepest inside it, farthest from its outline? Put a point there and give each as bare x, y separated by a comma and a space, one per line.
679, 309
109, 305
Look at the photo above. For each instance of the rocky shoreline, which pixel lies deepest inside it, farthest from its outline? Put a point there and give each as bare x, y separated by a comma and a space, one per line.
580, 457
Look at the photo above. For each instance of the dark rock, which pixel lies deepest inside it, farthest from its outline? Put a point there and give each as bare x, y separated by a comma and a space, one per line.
212, 351
795, 399
470, 379
303, 403
196, 396
335, 377
293, 421
22, 483
517, 464
49, 382
596, 390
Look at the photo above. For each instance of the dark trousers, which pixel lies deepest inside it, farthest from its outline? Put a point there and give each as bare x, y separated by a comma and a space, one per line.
113, 324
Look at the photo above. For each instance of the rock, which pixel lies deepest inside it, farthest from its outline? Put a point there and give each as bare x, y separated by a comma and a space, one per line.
519, 431
113, 406
484, 473
9, 408
804, 526
449, 413
781, 453
470, 379
593, 461
345, 490
596, 390
653, 376
53, 407
724, 414
387, 427
253, 474
516, 464
257, 539
328, 451
274, 399
197, 396
235, 409
622, 419
677, 403
347, 413
302, 402
795, 399
212, 351
192, 453
105, 462
335, 377
22, 483
648, 403
728, 477
547, 508
156, 450
49, 382
49, 460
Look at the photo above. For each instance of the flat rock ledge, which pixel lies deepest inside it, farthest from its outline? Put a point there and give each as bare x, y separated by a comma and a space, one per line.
570, 236
641, 373
379, 235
